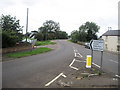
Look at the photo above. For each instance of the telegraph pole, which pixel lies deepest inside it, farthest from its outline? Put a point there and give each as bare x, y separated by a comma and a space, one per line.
27, 25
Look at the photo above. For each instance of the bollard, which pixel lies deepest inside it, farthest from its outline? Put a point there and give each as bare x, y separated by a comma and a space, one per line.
88, 61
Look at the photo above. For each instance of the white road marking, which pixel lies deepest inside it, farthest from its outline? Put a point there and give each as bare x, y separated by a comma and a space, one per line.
80, 61
117, 76
64, 75
72, 62
80, 54
54, 79
76, 50
75, 55
96, 65
74, 68
113, 61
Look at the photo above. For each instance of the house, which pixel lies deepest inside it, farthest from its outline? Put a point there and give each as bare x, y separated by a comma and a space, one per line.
112, 40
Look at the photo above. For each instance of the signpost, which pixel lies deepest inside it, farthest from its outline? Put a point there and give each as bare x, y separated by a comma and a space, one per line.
33, 43
97, 45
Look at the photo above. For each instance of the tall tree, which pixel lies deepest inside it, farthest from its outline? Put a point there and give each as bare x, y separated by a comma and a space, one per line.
90, 28
9, 23
86, 32
75, 36
49, 26
10, 30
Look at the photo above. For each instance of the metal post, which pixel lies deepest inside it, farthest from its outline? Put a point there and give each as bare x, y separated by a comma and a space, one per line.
101, 59
91, 51
92, 56
27, 25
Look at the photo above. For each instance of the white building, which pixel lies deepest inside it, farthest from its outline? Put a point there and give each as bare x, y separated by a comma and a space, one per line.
112, 40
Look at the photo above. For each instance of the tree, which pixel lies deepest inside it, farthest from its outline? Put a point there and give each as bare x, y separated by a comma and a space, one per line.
39, 36
62, 35
9, 23
10, 30
49, 27
86, 32
74, 36
91, 29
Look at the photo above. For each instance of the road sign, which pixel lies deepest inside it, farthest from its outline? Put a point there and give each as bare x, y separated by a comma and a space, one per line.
97, 45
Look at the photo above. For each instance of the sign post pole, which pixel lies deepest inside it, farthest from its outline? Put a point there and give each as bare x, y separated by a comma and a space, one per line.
92, 55
91, 51
101, 59
97, 45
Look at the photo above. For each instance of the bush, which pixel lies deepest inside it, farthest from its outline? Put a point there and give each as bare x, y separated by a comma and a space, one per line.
9, 40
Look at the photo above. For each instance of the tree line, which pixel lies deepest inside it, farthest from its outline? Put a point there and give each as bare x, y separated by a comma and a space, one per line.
50, 30
85, 33
11, 31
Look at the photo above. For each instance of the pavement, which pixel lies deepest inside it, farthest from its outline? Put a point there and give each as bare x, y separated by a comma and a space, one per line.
62, 67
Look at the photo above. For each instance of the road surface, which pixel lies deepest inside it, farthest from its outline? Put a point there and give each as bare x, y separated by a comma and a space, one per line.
37, 70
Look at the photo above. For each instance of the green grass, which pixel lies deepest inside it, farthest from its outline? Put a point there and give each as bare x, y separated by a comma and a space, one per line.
85, 76
42, 43
69, 40
27, 38
29, 53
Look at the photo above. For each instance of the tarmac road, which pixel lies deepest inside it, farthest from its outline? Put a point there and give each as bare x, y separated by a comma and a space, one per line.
37, 70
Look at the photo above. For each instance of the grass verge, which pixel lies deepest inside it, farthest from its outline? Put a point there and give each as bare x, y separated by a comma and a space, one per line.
69, 40
42, 43
29, 53
27, 38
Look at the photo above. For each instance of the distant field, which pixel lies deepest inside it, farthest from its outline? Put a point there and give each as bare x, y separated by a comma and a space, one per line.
29, 53
42, 43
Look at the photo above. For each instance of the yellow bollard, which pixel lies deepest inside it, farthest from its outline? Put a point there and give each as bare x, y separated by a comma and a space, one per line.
88, 61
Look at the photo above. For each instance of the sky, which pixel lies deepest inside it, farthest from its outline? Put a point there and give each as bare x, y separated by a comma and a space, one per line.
71, 14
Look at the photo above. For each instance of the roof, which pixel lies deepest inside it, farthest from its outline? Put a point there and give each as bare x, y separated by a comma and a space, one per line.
112, 33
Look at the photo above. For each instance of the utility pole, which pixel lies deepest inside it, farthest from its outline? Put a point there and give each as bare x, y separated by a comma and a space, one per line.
27, 25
